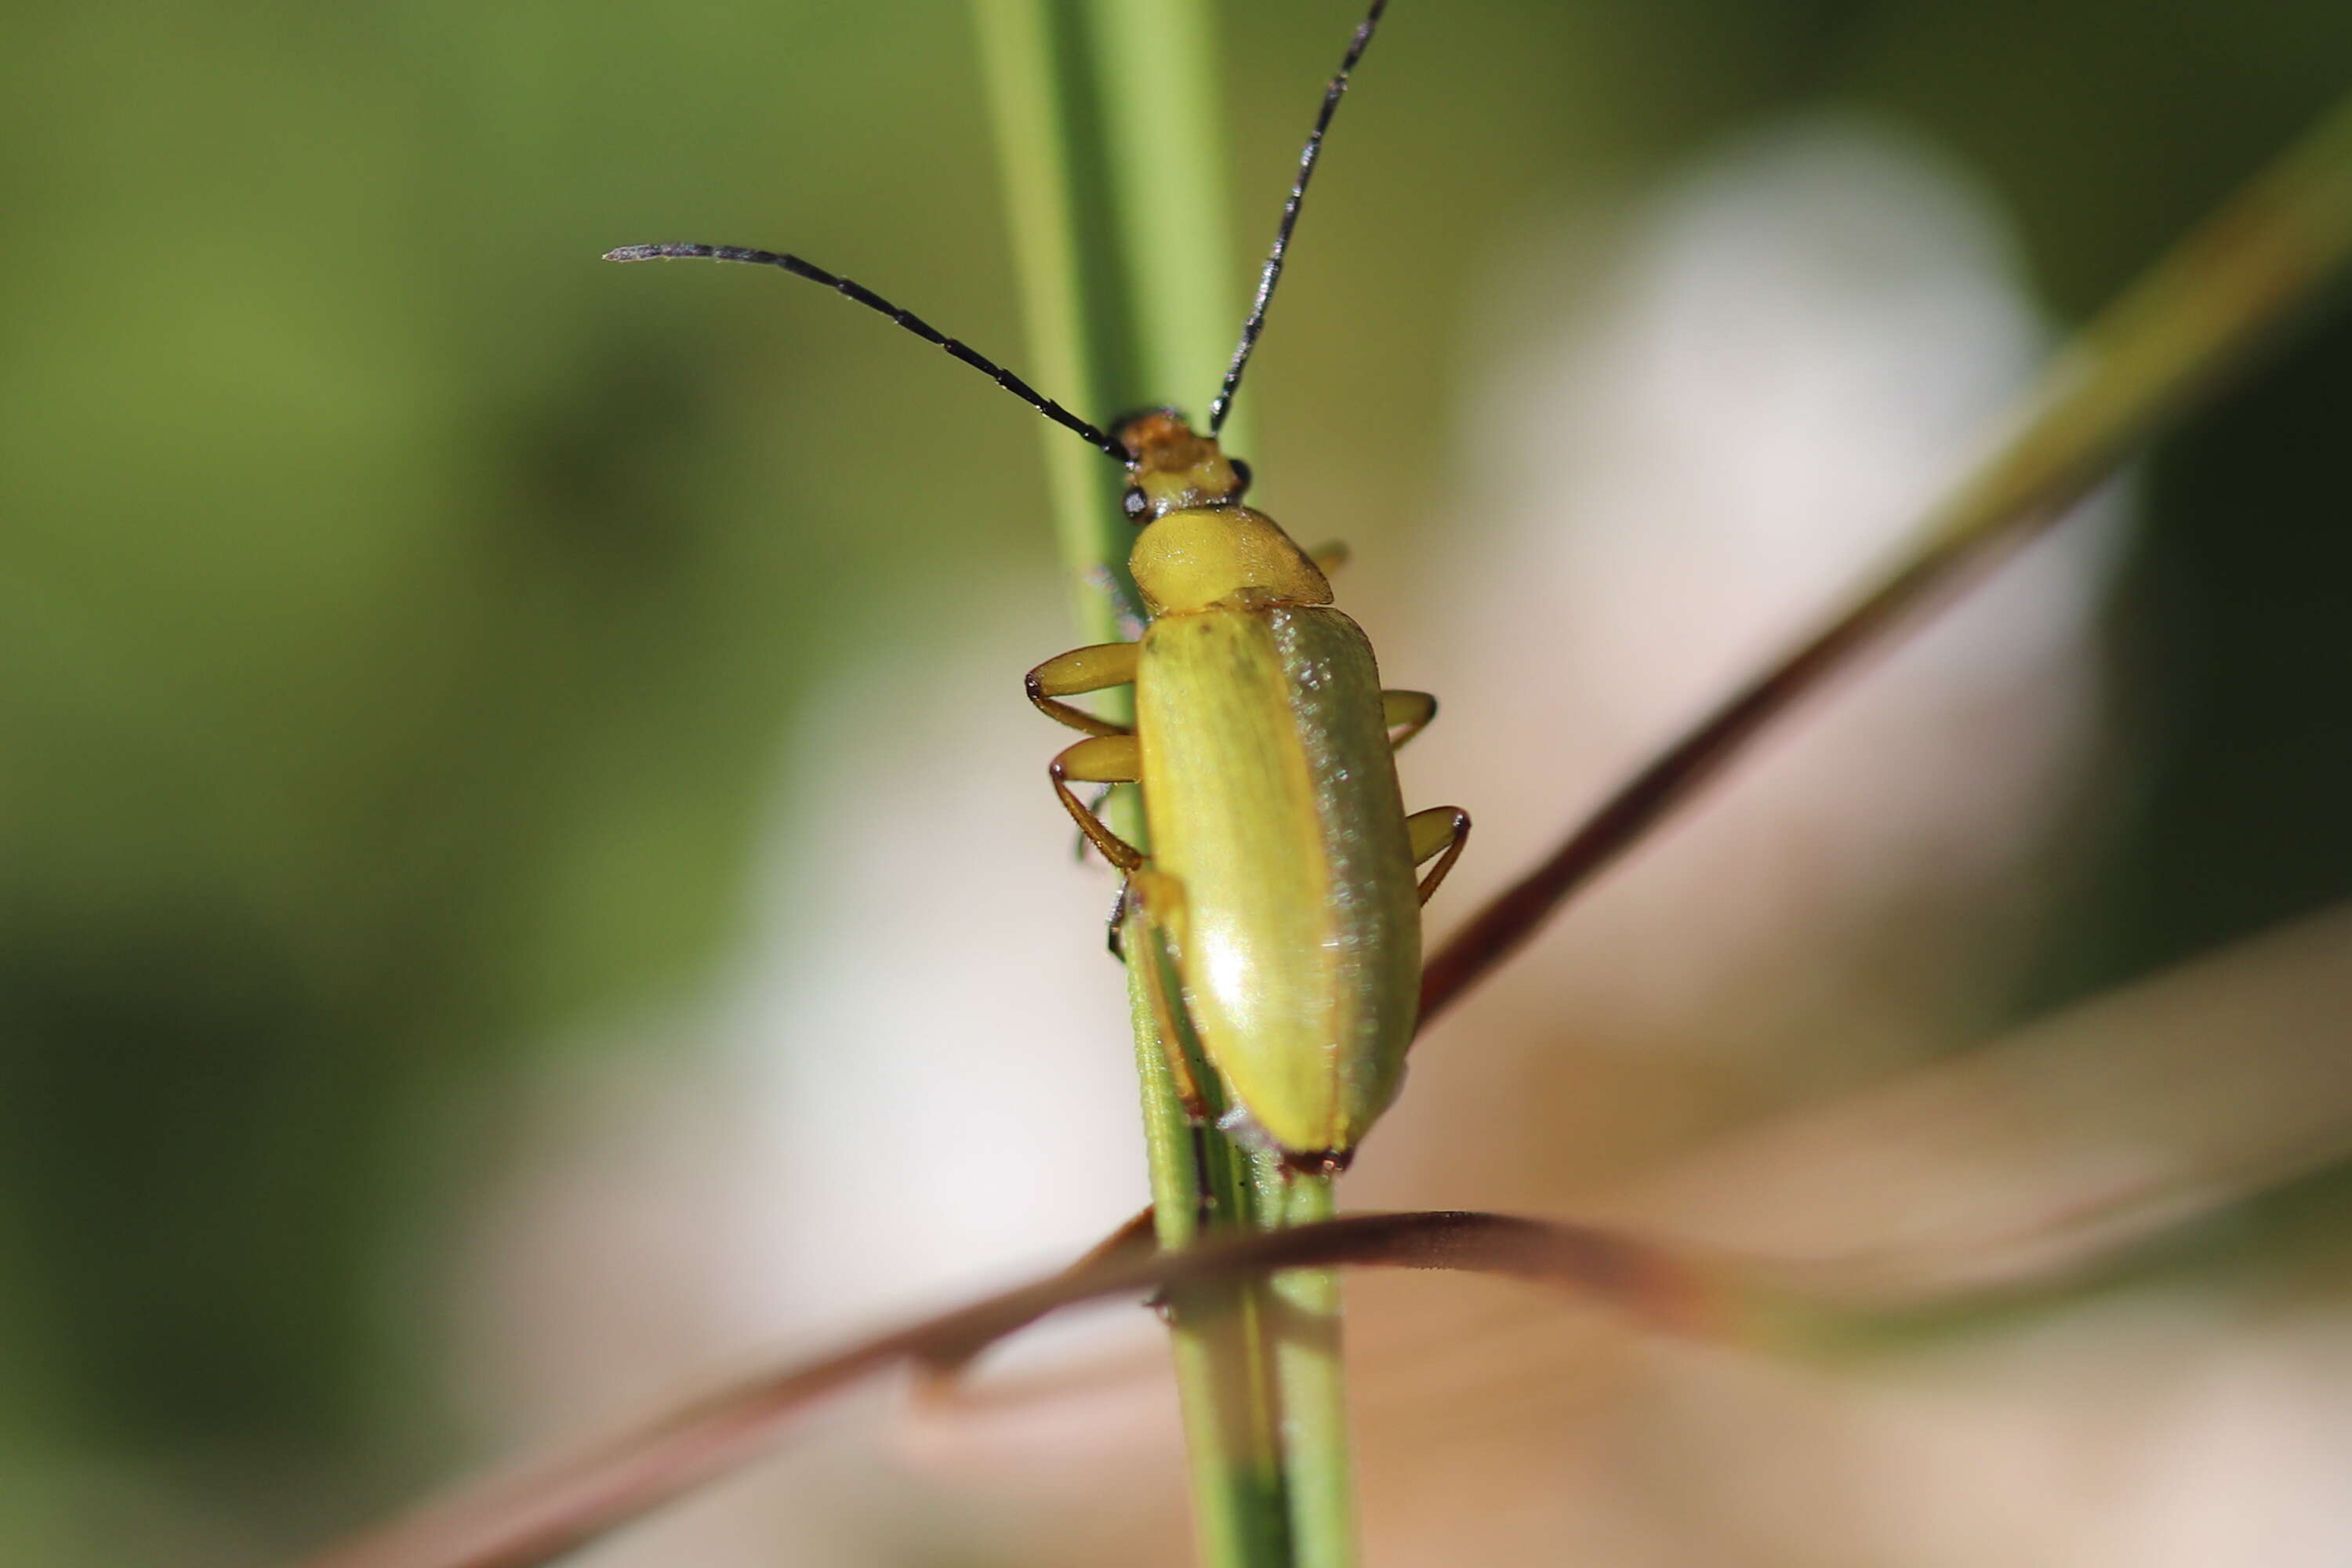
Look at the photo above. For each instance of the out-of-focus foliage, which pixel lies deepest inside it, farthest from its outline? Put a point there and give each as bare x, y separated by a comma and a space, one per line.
402, 613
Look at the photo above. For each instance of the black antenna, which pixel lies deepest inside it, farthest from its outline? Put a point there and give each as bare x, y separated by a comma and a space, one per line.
873, 301
1267, 280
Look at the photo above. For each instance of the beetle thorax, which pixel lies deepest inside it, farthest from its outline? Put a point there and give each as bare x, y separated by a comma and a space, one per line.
1221, 556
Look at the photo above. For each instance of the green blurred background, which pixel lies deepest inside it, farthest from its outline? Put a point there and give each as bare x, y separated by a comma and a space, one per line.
404, 611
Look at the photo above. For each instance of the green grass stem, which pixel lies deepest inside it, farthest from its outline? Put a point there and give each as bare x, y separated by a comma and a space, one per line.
1110, 127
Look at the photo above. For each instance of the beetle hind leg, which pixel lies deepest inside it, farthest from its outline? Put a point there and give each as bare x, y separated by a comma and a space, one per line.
1405, 714
1441, 831
1152, 905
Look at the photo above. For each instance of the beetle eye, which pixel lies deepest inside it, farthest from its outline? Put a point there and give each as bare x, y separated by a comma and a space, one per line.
1241, 474
1134, 504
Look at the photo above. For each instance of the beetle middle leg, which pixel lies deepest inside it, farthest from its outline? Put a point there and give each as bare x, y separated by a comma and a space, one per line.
1442, 831
1102, 759
1079, 842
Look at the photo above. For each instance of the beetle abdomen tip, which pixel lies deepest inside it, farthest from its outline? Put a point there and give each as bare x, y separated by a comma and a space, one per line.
1318, 1161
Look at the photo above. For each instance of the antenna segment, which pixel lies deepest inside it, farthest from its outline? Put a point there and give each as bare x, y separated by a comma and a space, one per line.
907, 319
1272, 274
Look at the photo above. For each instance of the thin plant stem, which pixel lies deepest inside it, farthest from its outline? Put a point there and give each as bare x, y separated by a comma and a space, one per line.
1311, 1376
1218, 1331
1158, 71
1110, 127
1072, 317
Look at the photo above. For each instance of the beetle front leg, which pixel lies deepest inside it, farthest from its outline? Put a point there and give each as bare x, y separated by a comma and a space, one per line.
1442, 831
1080, 671
1406, 714
1105, 759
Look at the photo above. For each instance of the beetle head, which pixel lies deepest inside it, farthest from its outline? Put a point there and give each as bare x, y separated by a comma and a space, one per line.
1171, 468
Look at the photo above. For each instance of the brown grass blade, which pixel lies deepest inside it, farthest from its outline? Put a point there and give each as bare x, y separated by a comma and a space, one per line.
539, 1512
2053, 1151
2155, 353
2010, 1170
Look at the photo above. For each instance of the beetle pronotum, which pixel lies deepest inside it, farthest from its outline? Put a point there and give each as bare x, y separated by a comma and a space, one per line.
1281, 874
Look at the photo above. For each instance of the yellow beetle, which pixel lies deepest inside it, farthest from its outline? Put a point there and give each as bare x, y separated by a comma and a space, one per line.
1281, 878
1282, 864
1281, 871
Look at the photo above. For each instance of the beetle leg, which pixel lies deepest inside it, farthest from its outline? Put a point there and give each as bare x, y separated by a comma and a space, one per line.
1406, 712
1154, 901
1096, 668
1105, 759
1329, 558
1078, 845
1115, 938
1442, 831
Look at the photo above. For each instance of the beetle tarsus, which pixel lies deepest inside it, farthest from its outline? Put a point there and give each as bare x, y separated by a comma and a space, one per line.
1111, 938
